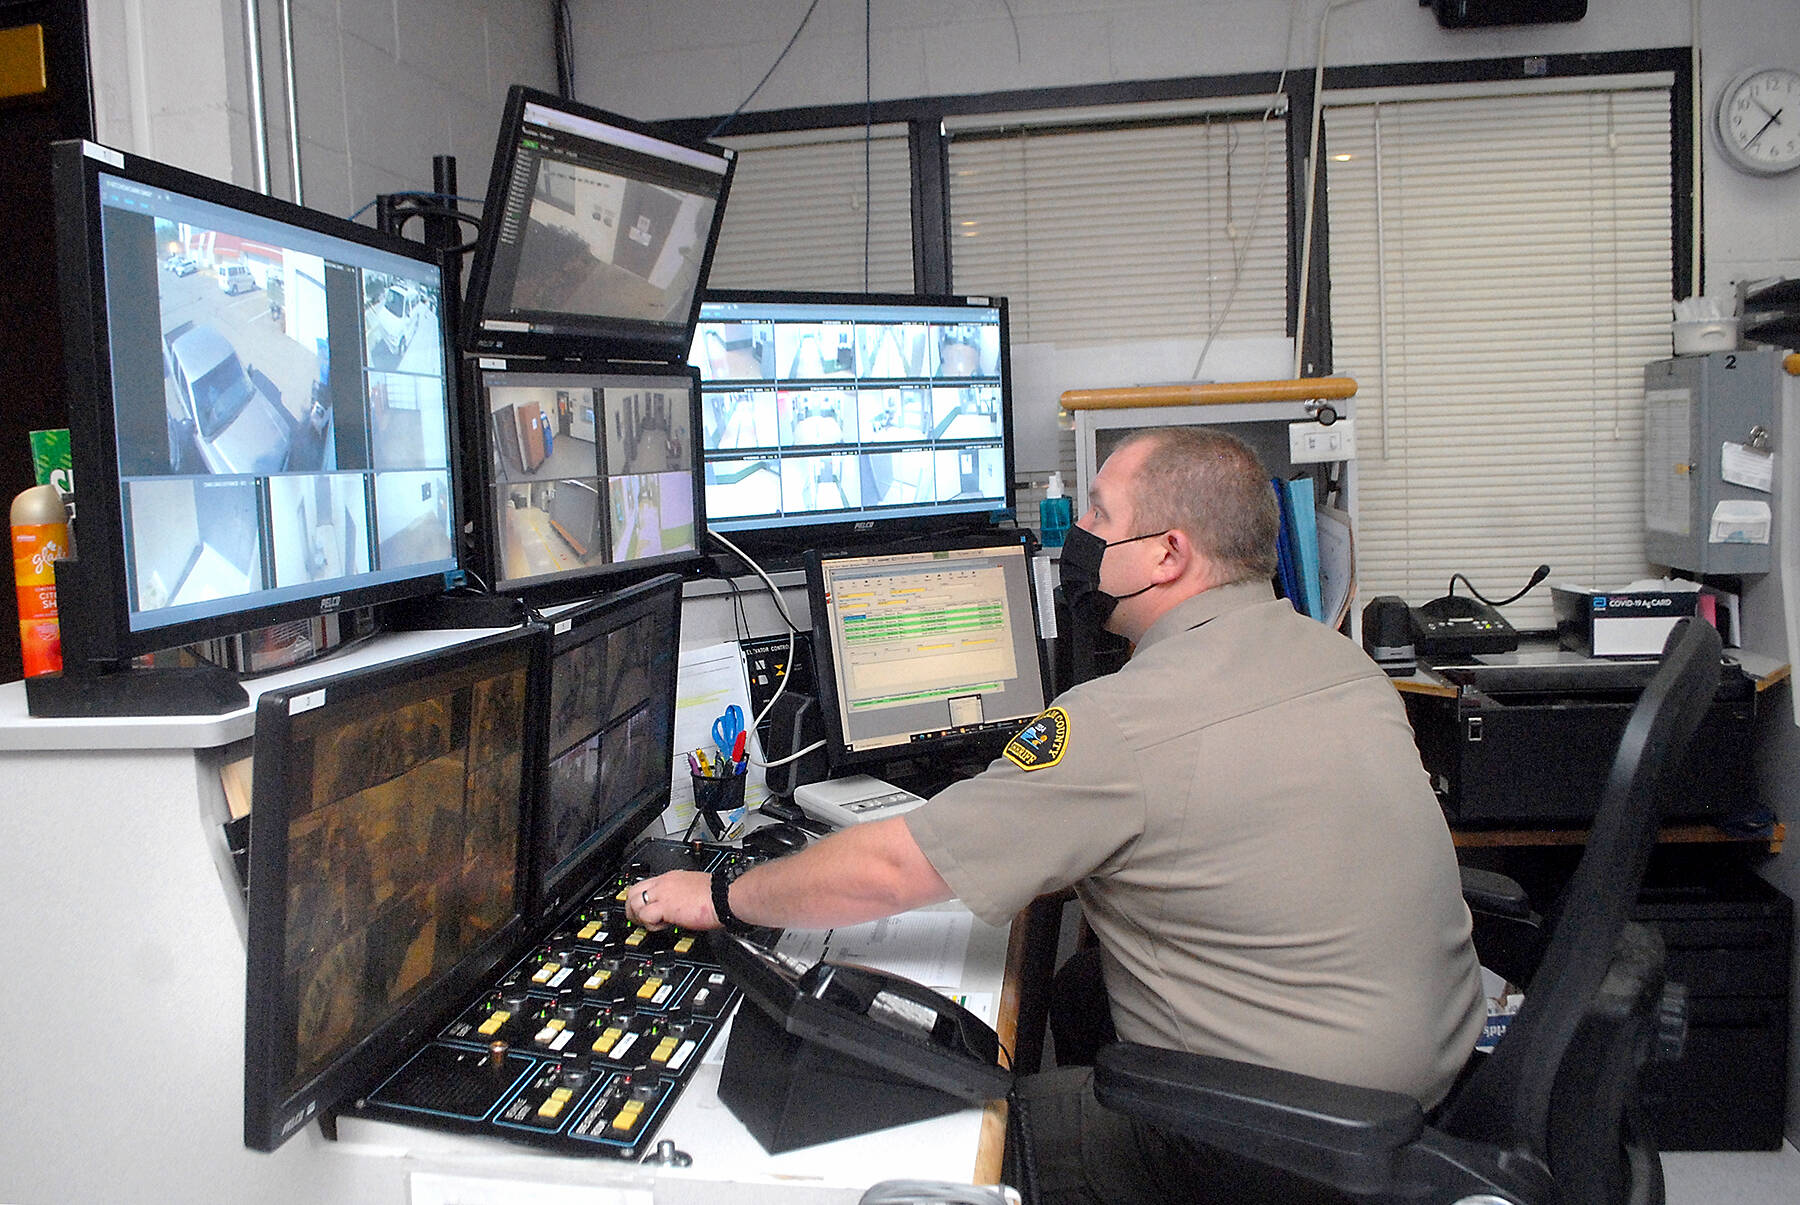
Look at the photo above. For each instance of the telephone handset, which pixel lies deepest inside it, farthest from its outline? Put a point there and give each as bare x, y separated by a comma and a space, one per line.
881, 1019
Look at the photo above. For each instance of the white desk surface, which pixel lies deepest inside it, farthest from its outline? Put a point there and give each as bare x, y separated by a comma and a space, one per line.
23, 731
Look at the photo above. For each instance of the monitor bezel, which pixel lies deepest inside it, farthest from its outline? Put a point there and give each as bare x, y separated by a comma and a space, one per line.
577, 584
617, 338
587, 868
96, 598
937, 750
272, 1112
781, 543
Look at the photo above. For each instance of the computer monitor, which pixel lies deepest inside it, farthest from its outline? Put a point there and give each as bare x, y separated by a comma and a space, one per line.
926, 654
846, 420
387, 855
609, 730
261, 409
598, 234
592, 475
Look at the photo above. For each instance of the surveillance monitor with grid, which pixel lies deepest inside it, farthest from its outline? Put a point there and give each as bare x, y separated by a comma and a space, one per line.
841, 420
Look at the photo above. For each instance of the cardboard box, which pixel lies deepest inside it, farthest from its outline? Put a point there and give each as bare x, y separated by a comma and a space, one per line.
1634, 622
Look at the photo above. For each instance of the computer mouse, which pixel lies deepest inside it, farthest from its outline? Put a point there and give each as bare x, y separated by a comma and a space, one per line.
773, 840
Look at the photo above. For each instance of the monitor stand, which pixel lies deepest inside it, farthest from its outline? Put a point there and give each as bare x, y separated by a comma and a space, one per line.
86, 690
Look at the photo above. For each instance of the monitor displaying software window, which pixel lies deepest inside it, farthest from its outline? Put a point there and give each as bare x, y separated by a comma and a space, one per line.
926, 650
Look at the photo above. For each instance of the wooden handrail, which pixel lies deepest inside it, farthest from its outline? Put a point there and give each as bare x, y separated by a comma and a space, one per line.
1299, 389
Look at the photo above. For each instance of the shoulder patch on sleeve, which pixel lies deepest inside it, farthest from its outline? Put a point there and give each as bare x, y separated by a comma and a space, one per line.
1040, 743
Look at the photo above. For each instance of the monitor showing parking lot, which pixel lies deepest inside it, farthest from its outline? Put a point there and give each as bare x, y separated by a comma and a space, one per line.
281, 407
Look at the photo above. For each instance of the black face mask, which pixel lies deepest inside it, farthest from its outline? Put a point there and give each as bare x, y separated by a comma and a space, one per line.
1083, 551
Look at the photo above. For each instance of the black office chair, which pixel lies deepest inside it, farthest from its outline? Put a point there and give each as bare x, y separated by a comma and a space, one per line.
1550, 1116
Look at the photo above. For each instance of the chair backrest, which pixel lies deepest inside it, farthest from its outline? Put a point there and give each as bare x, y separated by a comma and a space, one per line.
1507, 1101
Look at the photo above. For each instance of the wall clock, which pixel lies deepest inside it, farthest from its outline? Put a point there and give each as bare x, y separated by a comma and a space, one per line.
1757, 120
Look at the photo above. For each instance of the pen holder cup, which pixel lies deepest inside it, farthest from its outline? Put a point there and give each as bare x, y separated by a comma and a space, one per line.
720, 801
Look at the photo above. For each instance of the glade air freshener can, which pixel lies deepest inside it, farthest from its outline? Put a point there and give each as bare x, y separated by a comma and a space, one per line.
40, 534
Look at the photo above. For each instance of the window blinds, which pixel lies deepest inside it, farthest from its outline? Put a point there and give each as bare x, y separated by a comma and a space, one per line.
1501, 270
1119, 233
795, 217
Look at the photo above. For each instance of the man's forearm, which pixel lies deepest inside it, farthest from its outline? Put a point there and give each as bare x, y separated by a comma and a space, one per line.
860, 874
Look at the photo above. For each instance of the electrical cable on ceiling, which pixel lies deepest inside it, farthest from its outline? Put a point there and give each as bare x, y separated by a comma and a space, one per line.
868, 132
1312, 176
732, 116
1241, 243
1018, 44
564, 33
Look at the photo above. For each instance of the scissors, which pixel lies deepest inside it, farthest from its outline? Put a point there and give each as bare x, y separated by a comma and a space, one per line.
728, 733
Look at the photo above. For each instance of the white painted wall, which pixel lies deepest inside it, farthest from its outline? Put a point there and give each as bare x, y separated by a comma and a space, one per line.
680, 58
382, 86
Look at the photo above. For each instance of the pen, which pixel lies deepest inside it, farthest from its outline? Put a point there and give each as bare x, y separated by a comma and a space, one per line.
693, 764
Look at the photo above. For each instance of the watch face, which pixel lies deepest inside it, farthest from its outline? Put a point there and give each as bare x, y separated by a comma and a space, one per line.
1759, 120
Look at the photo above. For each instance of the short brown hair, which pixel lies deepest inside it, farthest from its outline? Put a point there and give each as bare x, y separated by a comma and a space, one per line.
1212, 486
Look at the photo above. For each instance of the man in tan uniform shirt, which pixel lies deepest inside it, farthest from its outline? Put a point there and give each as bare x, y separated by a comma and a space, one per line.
1241, 810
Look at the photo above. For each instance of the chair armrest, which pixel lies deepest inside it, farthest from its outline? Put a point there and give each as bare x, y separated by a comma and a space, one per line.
1328, 1132
1493, 892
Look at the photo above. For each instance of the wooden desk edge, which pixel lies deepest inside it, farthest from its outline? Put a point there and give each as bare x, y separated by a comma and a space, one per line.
1771, 678
991, 1150
1669, 834
1425, 682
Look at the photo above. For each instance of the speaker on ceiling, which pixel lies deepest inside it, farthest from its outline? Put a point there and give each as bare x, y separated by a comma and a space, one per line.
1466, 14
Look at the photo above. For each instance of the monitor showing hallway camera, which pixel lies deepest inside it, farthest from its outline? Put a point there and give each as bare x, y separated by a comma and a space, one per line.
262, 415
850, 418
599, 233
591, 475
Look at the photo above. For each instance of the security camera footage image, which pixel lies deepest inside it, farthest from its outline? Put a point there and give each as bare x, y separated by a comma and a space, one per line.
402, 846
599, 228
280, 407
588, 470
611, 724
827, 411
600, 243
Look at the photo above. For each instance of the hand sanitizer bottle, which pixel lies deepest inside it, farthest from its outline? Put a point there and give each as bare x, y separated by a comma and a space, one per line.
1055, 513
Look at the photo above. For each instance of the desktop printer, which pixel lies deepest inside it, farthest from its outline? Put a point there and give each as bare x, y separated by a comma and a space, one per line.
1528, 738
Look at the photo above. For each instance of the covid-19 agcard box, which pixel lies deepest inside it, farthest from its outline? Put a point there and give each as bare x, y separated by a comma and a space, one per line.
1634, 622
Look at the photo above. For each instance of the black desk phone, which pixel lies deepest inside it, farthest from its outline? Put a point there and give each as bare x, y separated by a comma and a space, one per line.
1459, 626
883, 1020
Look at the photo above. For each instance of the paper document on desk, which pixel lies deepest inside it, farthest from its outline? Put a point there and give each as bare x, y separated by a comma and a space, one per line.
1337, 564
927, 946
708, 680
